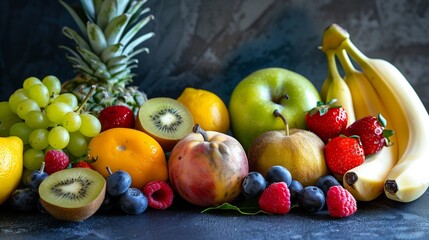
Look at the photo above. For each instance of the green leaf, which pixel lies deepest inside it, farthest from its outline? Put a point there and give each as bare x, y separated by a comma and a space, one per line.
245, 208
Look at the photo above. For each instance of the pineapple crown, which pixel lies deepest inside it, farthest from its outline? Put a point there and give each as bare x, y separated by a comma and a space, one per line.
106, 48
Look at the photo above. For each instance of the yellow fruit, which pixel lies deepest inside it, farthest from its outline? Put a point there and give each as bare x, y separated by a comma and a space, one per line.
11, 165
208, 109
129, 150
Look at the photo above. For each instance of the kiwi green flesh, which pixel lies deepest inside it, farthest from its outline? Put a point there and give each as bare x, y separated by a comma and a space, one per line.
165, 118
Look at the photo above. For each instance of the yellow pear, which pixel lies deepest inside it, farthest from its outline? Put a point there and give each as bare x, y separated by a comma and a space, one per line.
298, 150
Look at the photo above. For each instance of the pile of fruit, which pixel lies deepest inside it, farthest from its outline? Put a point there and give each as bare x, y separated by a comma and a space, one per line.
96, 144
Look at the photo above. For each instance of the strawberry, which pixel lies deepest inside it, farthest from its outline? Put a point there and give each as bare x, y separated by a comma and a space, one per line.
159, 194
275, 199
372, 133
340, 202
116, 116
55, 160
343, 153
326, 120
82, 164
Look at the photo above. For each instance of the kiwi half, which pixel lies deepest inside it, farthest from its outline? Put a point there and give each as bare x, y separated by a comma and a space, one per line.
73, 194
166, 120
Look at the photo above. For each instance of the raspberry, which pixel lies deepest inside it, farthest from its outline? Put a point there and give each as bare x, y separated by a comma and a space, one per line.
55, 160
275, 199
340, 202
159, 194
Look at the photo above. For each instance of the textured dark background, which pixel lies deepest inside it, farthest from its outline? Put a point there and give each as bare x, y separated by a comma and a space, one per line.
213, 44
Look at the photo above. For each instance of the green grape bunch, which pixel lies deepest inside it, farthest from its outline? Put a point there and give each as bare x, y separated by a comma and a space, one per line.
44, 118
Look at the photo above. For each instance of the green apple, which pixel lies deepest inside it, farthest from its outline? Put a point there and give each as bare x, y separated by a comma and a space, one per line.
255, 98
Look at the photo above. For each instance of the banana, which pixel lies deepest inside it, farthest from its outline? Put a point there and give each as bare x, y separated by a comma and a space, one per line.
366, 181
338, 89
408, 179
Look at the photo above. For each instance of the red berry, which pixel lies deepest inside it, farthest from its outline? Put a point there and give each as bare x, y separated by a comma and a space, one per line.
340, 202
343, 153
326, 120
275, 199
55, 160
372, 133
115, 117
82, 164
159, 194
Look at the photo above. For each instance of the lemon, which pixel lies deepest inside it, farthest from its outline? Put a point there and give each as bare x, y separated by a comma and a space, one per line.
11, 165
207, 108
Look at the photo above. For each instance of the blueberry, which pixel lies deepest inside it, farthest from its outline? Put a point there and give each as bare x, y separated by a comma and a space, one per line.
311, 199
24, 199
133, 201
35, 178
295, 189
253, 185
326, 182
279, 174
118, 182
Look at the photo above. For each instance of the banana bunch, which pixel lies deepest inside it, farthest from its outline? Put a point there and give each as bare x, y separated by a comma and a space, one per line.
398, 170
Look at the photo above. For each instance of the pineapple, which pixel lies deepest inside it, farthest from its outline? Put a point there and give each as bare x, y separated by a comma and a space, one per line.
105, 52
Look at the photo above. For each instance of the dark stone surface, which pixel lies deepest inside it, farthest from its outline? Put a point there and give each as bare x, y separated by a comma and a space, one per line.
213, 44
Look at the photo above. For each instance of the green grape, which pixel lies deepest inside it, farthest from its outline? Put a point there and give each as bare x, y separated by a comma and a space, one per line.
20, 130
33, 159
40, 94
5, 110
36, 119
16, 97
78, 145
30, 82
38, 138
53, 84
71, 121
56, 111
68, 98
7, 123
58, 137
26, 106
90, 126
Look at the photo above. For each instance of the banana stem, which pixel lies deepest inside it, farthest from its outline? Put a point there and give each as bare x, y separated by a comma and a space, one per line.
345, 61
332, 66
356, 54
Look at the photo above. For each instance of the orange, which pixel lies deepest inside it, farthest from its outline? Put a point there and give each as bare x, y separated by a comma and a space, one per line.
207, 108
130, 150
11, 165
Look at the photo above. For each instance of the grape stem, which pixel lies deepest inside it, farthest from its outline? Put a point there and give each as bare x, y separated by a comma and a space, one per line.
86, 98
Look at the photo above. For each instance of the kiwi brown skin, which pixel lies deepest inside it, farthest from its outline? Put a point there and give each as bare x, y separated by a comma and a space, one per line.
166, 143
75, 214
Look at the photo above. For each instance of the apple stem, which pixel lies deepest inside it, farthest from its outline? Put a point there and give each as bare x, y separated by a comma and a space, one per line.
278, 114
198, 129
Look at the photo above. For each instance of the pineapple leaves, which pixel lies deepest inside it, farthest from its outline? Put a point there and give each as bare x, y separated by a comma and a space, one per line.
75, 16
115, 29
89, 9
135, 29
96, 38
111, 52
109, 10
72, 34
128, 49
